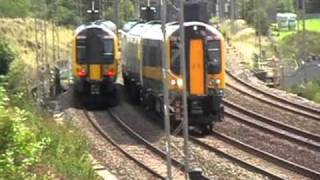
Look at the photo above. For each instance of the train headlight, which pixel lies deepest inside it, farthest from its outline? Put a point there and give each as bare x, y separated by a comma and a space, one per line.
180, 83
215, 82
173, 82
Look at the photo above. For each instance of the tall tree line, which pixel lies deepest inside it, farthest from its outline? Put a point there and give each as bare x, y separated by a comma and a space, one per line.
66, 12
259, 12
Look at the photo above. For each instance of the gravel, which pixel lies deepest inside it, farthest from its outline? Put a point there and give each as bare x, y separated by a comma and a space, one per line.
147, 125
106, 153
270, 143
280, 115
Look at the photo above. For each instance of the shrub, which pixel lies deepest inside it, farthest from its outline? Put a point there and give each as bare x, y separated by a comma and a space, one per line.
310, 90
33, 147
6, 56
20, 148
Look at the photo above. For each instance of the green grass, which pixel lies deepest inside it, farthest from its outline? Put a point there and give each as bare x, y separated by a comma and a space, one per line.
311, 25
310, 90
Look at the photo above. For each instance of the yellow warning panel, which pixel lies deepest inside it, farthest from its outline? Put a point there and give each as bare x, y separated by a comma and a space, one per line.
95, 72
196, 57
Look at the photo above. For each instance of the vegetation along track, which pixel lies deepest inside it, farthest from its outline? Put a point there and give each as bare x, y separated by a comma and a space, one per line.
277, 101
267, 156
274, 127
133, 134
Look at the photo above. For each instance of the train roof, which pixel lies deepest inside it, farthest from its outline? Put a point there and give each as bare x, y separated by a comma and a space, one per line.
127, 26
106, 26
152, 30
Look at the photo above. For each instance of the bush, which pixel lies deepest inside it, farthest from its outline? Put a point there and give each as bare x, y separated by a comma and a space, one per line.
32, 147
6, 56
310, 90
16, 8
20, 148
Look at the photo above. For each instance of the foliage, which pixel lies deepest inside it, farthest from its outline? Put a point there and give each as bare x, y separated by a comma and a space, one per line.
285, 6
32, 147
255, 12
6, 56
16, 8
292, 45
68, 151
19, 146
64, 12
126, 10
309, 90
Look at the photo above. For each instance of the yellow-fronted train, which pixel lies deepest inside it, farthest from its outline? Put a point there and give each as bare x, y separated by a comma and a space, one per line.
95, 59
205, 54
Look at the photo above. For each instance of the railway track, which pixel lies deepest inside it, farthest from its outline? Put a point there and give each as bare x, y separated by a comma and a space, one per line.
272, 126
178, 165
109, 139
268, 157
276, 101
236, 159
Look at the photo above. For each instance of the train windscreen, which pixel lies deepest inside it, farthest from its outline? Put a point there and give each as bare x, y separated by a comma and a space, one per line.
214, 56
94, 46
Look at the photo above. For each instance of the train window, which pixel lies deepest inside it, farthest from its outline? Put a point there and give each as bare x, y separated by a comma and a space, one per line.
108, 50
152, 53
213, 57
108, 47
81, 49
175, 57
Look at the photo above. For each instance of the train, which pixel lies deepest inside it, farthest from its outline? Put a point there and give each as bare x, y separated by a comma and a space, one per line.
205, 47
95, 59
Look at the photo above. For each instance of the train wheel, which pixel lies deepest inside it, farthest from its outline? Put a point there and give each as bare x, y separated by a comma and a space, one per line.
206, 129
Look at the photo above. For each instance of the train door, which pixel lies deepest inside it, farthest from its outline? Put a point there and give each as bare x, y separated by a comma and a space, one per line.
196, 67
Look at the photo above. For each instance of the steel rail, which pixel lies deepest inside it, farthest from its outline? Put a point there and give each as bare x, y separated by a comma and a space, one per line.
311, 110
235, 159
267, 156
156, 150
310, 140
109, 139
305, 114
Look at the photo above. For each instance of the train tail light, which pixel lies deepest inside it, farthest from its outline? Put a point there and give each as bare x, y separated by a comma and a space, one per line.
110, 73
82, 73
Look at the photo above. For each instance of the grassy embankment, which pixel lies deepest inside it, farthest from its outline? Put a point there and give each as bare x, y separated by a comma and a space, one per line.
291, 44
311, 25
244, 39
33, 146
246, 42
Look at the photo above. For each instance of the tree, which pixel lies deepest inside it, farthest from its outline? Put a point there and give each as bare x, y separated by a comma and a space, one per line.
6, 56
15, 8
255, 12
285, 6
126, 10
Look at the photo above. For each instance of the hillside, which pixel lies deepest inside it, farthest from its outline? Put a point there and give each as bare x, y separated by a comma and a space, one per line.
292, 44
21, 36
